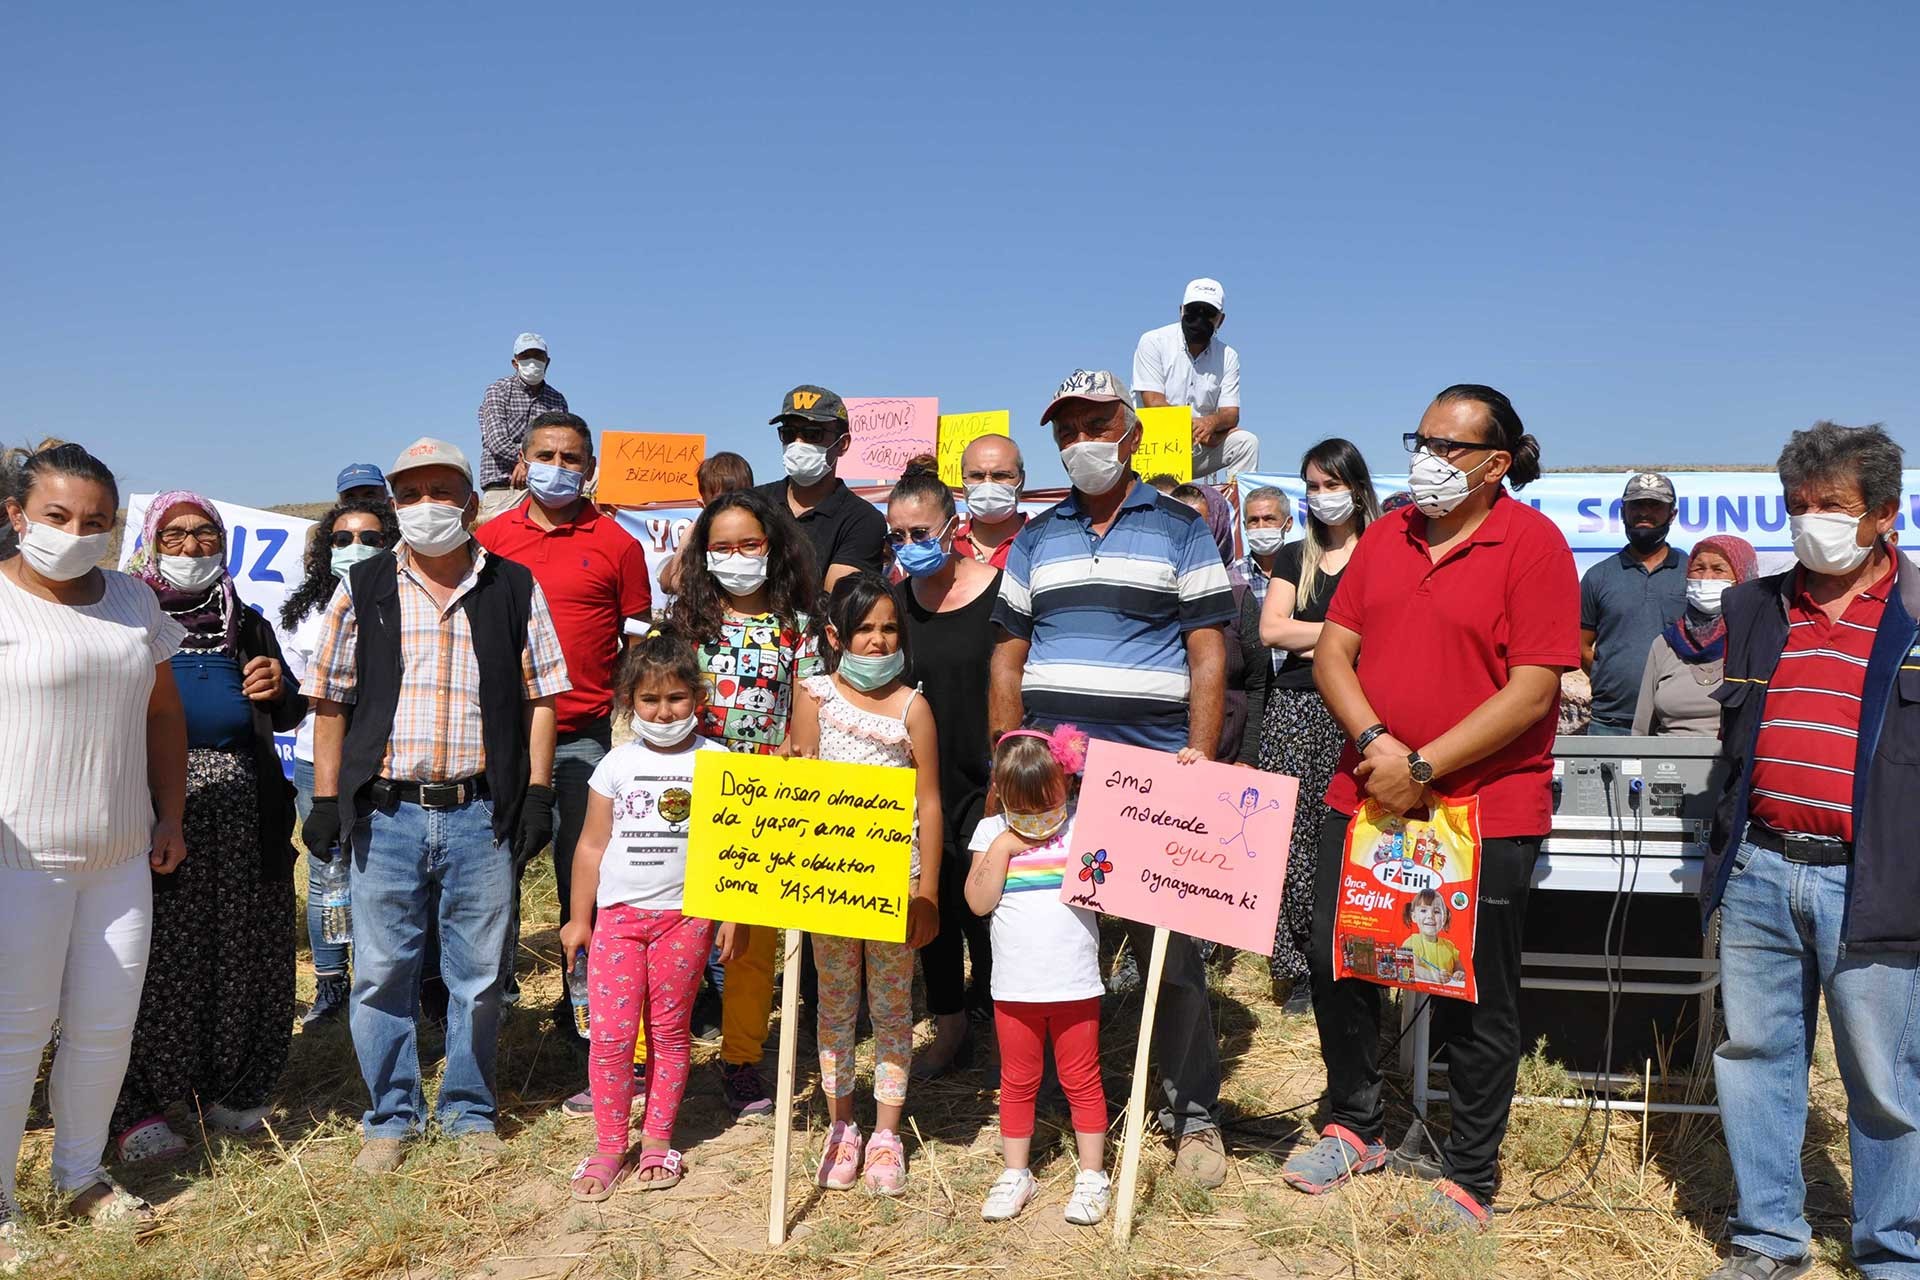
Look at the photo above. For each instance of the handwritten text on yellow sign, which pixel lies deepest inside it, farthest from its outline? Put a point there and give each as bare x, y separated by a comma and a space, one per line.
958, 430
1166, 443
801, 844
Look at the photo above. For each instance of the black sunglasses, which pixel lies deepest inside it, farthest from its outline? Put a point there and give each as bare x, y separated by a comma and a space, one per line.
374, 538
809, 432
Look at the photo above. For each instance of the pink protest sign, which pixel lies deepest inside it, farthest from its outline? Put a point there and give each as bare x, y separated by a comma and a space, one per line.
888, 432
1199, 848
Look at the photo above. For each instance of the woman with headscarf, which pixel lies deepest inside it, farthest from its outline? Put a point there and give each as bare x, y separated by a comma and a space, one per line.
1688, 659
216, 1015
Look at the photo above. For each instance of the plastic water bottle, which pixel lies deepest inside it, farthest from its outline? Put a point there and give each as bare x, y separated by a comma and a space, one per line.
336, 899
577, 992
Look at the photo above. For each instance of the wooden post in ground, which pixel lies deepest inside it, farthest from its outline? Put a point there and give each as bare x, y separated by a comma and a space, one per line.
1137, 1099
783, 1093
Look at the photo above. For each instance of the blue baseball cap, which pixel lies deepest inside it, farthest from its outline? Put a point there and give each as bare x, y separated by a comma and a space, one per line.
358, 476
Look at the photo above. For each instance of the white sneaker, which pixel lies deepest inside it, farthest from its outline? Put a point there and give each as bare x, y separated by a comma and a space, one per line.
224, 1119
151, 1139
1092, 1193
1008, 1195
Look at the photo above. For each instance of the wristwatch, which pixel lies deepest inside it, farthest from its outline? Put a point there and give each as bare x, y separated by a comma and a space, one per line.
1418, 769
1365, 740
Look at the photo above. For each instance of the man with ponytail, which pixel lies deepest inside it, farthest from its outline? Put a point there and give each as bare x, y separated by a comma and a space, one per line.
1440, 657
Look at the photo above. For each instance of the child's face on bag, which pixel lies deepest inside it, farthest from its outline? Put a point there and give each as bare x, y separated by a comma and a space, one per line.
663, 700
1428, 917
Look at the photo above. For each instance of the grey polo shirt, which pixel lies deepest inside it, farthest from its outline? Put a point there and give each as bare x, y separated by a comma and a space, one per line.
1626, 607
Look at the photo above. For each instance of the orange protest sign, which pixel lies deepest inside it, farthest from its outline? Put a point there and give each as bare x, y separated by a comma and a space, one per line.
639, 467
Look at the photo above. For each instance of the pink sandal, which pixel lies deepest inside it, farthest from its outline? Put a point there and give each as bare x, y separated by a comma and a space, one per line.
604, 1168
669, 1162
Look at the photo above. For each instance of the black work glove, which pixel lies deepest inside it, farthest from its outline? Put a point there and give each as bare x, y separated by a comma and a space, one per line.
536, 825
321, 831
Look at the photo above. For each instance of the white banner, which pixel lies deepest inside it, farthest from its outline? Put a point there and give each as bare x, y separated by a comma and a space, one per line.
265, 554
1586, 506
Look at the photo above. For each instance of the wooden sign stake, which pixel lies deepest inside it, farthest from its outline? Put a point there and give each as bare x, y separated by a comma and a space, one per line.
783, 1092
1137, 1100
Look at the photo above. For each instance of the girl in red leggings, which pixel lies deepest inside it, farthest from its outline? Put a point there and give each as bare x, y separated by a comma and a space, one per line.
1046, 965
644, 958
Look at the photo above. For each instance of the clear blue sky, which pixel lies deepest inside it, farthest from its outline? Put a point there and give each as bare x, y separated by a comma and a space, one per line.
246, 244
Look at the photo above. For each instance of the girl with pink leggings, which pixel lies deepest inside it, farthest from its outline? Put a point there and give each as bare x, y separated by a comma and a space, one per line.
644, 958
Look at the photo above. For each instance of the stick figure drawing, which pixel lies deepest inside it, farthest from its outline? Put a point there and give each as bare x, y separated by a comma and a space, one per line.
1247, 806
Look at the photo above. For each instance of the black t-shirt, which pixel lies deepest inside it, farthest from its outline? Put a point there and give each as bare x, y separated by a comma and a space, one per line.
952, 652
1297, 672
844, 529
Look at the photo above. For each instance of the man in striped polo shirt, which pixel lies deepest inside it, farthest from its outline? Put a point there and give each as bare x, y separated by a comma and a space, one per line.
1813, 865
1111, 613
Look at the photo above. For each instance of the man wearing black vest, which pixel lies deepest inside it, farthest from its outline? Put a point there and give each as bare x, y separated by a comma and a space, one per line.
434, 680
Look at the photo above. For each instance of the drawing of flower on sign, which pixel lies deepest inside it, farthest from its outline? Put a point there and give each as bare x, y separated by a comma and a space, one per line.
1095, 866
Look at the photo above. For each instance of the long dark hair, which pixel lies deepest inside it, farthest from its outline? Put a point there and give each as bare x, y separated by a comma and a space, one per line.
1507, 432
316, 587
701, 606
852, 600
21, 469
1342, 460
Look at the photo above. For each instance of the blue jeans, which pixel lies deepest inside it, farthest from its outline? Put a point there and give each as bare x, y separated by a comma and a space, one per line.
328, 957
405, 857
575, 757
1598, 730
1780, 951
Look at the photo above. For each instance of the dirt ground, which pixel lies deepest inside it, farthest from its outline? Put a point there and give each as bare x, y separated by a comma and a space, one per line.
288, 1207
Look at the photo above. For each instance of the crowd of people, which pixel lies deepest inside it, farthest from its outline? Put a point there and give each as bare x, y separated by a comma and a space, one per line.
463, 643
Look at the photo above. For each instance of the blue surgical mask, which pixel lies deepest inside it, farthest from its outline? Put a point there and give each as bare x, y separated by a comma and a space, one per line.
922, 559
554, 486
867, 674
344, 558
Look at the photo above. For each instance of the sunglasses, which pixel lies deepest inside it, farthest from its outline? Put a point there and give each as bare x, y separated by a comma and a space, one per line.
374, 538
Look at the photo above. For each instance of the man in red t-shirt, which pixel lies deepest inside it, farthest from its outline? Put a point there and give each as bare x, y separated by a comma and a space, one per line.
1441, 658
594, 576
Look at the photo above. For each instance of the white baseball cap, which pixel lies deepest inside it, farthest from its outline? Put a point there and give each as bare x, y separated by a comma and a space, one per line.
428, 452
1098, 385
534, 342
1206, 290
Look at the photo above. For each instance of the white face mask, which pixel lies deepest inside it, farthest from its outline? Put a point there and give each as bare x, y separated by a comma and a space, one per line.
664, 733
1824, 542
532, 372
991, 501
1094, 466
1331, 506
1703, 595
344, 558
807, 463
1264, 542
739, 574
59, 556
191, 573
433, 528
1437, 486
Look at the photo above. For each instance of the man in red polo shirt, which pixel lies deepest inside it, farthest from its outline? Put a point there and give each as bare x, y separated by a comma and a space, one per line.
993, 474
1441, 658
594, 576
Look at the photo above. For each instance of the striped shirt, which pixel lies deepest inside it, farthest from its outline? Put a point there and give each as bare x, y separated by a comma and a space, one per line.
1810, 726
1108, 616
436, 724
505, 411
75, 682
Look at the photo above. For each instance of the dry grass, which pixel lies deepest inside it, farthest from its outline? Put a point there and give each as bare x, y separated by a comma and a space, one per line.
287, 1207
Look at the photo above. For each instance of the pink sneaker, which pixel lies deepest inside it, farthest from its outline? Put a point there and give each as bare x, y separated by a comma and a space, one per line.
840, 1166
886, 1172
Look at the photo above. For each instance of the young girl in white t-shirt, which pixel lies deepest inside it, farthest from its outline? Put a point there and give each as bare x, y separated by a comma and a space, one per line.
1046, 964
644, 958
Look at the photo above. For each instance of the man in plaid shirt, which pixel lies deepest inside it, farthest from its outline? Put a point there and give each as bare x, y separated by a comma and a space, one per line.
510, 404
434, 676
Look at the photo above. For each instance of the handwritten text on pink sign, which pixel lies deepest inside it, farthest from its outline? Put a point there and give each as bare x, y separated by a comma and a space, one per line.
888, 432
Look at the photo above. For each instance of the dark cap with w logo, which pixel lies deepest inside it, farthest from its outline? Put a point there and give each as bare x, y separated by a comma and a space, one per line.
815, 404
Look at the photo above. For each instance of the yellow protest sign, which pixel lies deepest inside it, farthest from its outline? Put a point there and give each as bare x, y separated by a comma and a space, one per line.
801, 844
1166, 442
958, 430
